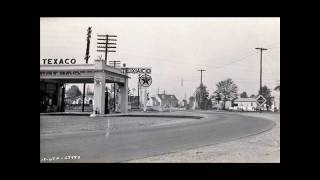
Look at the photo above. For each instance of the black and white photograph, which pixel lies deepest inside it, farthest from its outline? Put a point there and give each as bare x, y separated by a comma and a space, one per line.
159, 90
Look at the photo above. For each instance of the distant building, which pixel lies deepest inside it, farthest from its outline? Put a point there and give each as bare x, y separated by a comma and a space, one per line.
219, 104
228, 104
276, 100
167, 100
157, 102
216, 104
152, 102
245, 104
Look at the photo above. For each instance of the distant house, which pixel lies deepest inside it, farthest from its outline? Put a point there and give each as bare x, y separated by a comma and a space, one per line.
157, 102
167, 100
222, 101
245, 104
153, 101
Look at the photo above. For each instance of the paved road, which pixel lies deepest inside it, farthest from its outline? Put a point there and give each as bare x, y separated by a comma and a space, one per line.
139, 142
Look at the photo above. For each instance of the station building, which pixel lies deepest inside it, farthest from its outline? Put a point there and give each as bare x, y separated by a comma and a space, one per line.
53, 78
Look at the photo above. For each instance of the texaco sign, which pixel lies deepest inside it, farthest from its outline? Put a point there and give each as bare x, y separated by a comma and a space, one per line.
145, 80
136, 70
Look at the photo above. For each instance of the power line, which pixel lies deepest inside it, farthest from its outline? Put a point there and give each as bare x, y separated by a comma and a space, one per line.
247, 57
169, 60
238, 60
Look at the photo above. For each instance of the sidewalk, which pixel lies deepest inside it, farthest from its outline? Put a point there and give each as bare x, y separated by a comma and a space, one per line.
261, 148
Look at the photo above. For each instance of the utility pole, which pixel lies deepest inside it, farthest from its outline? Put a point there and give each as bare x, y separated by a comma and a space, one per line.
86, 59
106, 42
201, 76
261, 49
201, 70
88, 45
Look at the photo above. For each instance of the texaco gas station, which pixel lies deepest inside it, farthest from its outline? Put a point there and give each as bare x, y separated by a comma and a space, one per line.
56, 73
53, 78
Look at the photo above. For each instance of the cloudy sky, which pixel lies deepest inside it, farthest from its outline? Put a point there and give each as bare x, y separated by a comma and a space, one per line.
175, 48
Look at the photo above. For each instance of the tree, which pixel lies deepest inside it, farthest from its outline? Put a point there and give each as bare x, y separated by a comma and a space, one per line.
244, 95
209, 104
266, 93
202, 96
228, 89
191, 101
253, 96
73, 92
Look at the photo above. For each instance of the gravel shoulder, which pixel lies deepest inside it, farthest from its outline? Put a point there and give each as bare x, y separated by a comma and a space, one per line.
261, 148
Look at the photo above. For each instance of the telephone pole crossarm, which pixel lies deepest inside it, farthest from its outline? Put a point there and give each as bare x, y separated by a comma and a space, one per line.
201, 70
105, 39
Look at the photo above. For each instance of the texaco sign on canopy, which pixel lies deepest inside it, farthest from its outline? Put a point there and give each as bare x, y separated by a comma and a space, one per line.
63, 61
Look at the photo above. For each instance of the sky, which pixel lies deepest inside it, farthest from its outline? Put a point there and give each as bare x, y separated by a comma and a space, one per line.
175, 49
